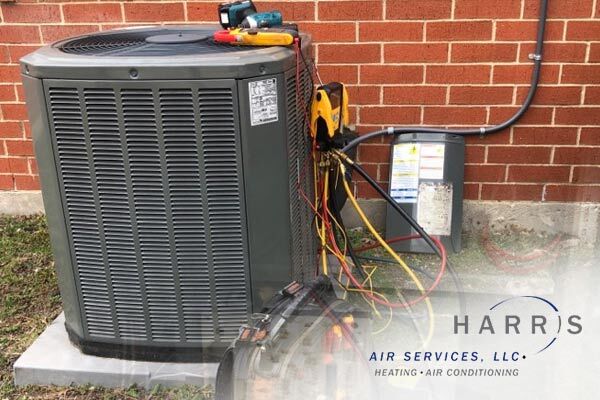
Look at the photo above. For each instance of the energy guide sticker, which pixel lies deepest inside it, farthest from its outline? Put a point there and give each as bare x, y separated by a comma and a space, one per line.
263, 102
404, 184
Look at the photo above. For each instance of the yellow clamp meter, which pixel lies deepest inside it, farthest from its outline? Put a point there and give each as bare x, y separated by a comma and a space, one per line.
329, 112
257, 36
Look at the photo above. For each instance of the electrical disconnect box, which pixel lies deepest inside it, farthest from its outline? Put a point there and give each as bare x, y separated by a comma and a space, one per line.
426, 180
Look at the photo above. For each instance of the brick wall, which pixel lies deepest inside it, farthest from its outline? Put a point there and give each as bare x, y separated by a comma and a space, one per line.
434, 62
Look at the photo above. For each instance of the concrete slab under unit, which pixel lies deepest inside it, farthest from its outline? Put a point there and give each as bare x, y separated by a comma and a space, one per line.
53, 360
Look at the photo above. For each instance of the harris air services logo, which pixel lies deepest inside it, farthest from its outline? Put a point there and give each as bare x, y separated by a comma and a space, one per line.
531, 323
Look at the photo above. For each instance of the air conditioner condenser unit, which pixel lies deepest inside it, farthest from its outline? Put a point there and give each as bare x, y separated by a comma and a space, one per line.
171, 168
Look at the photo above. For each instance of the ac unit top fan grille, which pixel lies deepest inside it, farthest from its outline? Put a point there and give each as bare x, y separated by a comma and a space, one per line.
148, 43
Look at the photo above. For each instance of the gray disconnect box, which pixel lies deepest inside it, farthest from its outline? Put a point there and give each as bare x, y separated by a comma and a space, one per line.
427, 179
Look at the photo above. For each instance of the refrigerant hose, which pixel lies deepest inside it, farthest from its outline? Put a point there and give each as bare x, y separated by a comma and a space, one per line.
535, 79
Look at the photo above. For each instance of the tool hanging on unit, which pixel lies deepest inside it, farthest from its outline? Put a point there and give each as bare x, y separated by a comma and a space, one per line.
329, 114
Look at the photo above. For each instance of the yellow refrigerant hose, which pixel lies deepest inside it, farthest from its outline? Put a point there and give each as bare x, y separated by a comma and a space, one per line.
391, 252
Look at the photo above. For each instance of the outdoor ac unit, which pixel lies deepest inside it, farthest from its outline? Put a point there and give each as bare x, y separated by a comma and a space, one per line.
171, 168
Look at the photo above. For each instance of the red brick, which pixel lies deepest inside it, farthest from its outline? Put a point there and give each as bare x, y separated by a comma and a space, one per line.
6, 182
415, 52
484, 173
560, 9
27, 182
578, 116
481, 95
538, 174
53, 33
592, 95
365, 190
556, 52
16, 112
527, 30
382, 74
155, 12
390, 31
390, 115
7, 92
552, 95
502, 137
204, 11
364, 95
466, 9
417, 95
511, 192
370, 169
586, 175
533, 116
544, 135
454, 116
324, 32
10, 73
339, 73
458, 74
584, 193
4, 54
19, 34
459, 30
17, 165
349, 53
292, 10
577, 155
384, 172
4, 166
350, 10
33, 166
19, 147
473, 52
474, 154
20, 92
11, 130
594, 56
16, 52
590, 136
583, 30
422, 9
38, 13
471, 191
581, 74
516, 74
518, 155
93, 12
27, 129
373, 153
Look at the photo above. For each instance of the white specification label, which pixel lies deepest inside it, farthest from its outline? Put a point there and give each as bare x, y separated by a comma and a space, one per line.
432, 161
434, 208
263, 102
404, 183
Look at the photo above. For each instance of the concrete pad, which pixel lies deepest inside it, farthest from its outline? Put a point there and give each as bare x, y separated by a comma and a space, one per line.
21, 202
53, 360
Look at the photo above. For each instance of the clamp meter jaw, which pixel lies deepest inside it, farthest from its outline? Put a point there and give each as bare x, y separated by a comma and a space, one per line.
329, 114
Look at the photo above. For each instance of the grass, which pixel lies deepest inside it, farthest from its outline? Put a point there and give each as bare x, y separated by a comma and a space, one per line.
29, 300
